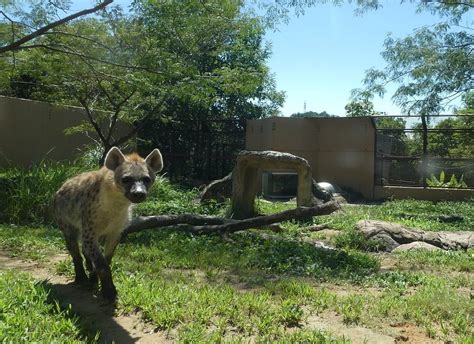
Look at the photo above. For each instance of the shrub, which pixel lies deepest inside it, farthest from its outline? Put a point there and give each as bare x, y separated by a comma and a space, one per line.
26, 194
441, 183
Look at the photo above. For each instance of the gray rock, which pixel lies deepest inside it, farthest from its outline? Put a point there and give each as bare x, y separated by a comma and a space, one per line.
416, 245
392, 235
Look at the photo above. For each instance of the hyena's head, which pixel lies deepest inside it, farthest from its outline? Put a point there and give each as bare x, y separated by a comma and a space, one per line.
134, 175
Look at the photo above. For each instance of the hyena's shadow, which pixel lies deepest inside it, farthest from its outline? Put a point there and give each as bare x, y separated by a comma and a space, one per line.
92, 313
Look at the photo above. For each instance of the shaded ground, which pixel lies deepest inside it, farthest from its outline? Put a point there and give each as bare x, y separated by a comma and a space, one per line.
92, 311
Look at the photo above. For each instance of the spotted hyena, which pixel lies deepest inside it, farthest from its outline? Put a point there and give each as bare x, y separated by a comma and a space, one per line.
96, 206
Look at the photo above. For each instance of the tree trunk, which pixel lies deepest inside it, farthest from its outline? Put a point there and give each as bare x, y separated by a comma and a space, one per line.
424, 157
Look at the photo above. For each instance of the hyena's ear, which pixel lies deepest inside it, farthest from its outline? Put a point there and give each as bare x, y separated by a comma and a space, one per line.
154, 160
114, 158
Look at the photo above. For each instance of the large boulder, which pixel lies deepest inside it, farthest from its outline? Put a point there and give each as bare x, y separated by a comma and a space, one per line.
391, 235
416, 245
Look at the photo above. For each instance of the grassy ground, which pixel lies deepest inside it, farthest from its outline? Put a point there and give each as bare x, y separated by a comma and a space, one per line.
243, 287
29, 314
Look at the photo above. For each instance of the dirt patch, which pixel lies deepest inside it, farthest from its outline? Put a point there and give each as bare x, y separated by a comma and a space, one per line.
356, 334
93, 312
410, 333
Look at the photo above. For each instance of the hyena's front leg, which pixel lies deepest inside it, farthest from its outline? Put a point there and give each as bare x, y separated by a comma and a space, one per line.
92, 251
72, 245
111, 242
93, 278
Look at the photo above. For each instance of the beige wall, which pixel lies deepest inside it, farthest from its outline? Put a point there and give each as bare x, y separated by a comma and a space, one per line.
31, 131
339, 150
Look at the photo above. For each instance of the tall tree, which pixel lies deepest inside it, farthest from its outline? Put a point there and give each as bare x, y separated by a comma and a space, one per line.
163, 61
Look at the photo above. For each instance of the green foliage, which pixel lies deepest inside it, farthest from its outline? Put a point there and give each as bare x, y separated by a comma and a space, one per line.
353, 239
441, 183
446, 143
30, 314
360, 108
312, 114
161, 61
26, 194
429, 67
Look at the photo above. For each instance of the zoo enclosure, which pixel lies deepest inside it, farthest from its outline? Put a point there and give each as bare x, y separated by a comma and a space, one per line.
395, 166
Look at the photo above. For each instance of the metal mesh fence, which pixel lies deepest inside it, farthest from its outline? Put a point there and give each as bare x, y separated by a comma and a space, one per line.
200, 149
448, 160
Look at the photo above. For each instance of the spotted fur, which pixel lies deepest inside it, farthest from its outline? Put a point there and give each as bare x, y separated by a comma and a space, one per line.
96, 206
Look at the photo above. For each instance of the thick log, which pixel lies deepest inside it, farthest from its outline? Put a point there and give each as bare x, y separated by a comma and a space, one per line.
208, 225
146, 222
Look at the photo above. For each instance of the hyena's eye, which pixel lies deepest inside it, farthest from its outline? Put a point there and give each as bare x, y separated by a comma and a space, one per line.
126, 180
146, 180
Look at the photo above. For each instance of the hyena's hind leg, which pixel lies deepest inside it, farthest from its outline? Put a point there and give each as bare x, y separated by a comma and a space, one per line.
72, 244
93, 253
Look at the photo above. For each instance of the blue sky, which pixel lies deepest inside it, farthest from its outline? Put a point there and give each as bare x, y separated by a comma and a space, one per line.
319, 57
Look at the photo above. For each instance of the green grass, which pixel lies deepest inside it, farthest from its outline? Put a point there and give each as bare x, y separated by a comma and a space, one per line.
31, 242
393, 211
26, 194
28, 314
206, 289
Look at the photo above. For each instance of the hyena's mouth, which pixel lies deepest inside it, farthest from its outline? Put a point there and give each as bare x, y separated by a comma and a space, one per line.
136, 197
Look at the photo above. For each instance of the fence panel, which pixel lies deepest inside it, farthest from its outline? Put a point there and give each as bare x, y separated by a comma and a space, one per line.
399, 158
202, 149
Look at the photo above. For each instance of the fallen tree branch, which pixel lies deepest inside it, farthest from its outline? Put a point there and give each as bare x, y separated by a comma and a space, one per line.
199, 224
147, 222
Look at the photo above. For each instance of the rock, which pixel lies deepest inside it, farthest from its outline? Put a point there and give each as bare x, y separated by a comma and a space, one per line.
391, 235
322, 191
218, 190
416, 245
248, 168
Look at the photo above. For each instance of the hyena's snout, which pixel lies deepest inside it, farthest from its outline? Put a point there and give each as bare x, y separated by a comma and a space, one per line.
138, 192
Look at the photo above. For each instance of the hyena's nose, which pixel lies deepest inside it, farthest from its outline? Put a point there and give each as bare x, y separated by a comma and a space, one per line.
138, 193
137, 196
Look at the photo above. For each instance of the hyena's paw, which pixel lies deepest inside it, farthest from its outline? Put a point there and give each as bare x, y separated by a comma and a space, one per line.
110, 294
81, 278
93, 278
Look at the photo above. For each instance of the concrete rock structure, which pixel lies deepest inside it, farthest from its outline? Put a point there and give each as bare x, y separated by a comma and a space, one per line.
247, 173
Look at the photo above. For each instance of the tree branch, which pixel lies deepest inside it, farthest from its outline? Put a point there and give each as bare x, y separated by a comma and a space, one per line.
89, 39
88, 57
92, 120
198, 224
15, 45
